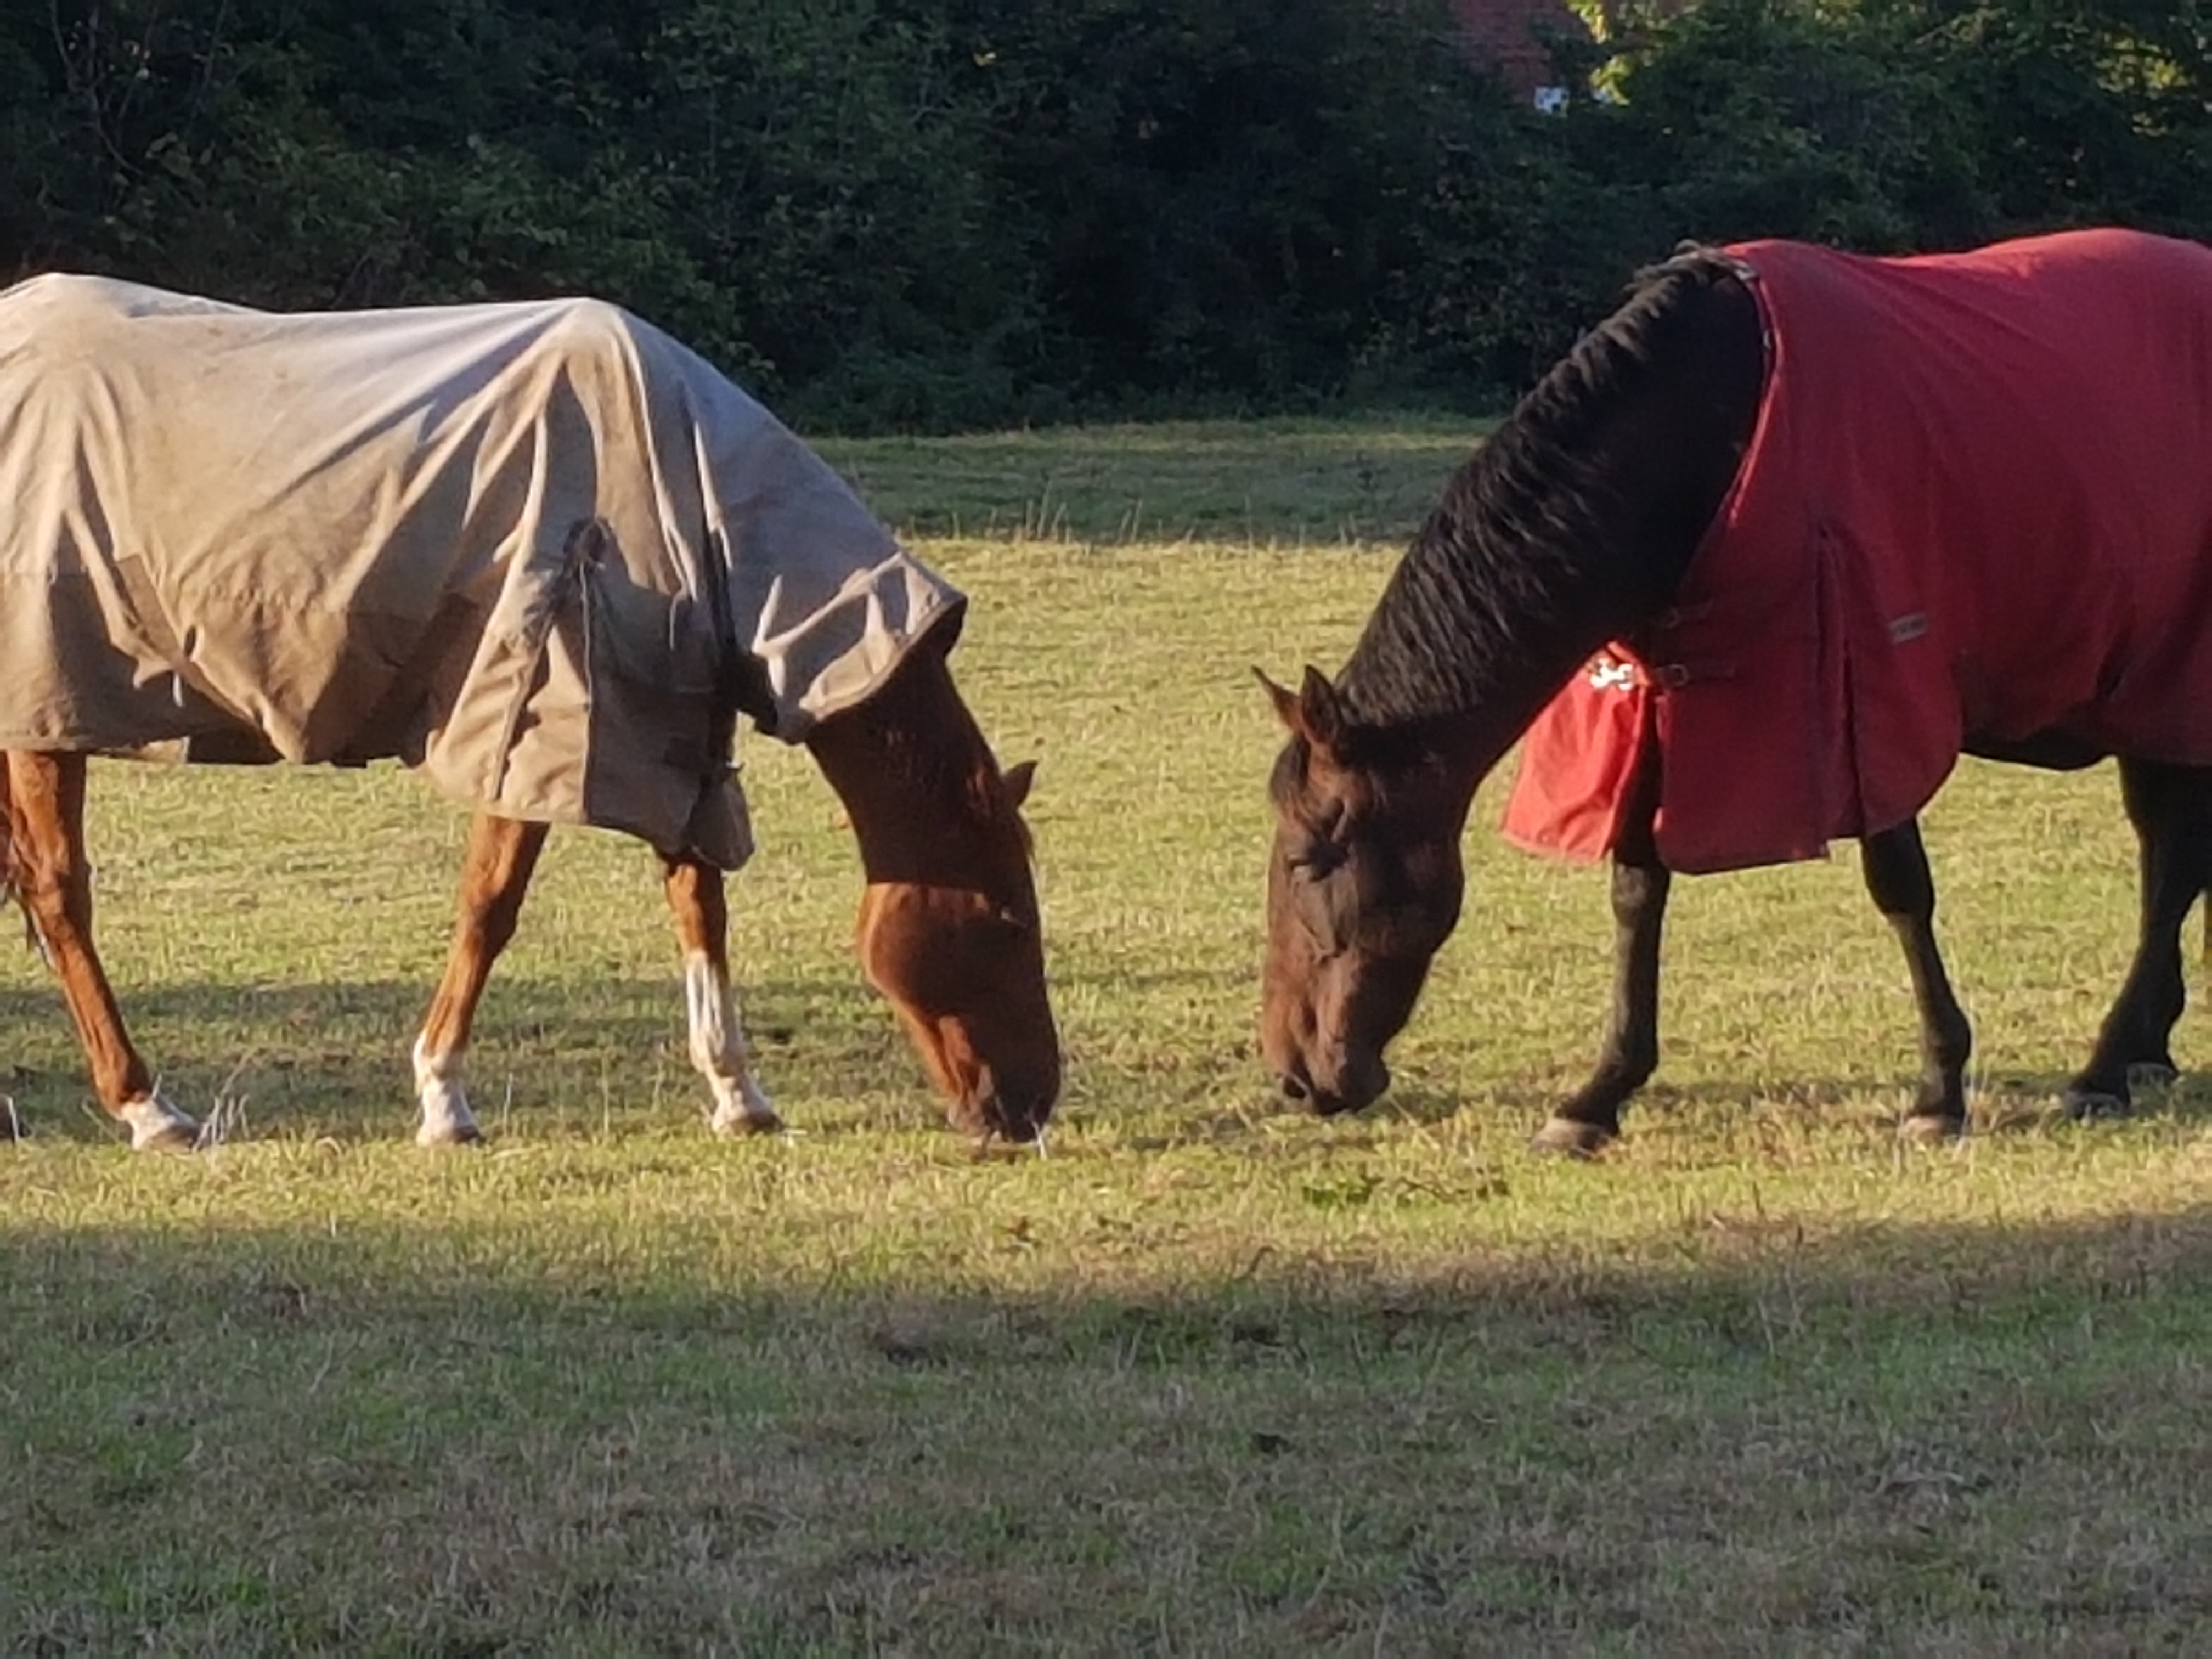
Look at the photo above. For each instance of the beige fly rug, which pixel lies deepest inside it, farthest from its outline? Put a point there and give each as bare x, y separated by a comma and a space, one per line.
541, 551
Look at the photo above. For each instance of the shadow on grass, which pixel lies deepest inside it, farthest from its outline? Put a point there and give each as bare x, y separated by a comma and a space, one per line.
1995, 1105
1954, 1438
1268, 482
332, 1058
2011, 1105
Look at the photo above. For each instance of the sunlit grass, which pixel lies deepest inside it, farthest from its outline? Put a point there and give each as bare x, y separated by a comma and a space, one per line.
1210, 1377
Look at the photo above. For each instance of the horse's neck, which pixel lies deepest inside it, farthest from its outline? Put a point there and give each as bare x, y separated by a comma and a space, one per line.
1527, 569
901, 762
1464, 653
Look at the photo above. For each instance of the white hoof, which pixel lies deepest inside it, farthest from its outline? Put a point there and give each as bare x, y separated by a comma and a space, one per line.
156, 1126
749, 1112
446, 1119
718, 1049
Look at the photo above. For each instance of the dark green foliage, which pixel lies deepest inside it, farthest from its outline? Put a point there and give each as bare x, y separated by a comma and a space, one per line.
1749, 117
927, 213
1214, 197
1888, 124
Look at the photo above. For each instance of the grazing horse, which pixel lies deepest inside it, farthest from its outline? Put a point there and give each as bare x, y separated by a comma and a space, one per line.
541, 552
1747, 571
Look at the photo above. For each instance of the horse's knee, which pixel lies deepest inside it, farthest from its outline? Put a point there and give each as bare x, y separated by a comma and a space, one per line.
55, 891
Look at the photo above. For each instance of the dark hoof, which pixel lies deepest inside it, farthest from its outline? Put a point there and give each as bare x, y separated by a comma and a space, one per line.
466, 1135
747, 1124
1570, 1138
2089, 1105
2153, 1074
1930, 1128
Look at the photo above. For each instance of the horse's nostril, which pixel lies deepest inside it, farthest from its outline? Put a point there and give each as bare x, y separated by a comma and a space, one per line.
1292, 1089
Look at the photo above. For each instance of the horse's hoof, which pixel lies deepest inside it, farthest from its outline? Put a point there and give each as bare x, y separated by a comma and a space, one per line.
739, 1126
432, 1135
2153, 1074
1570, 1138
2089, 1105
156, 1125
1930, 1128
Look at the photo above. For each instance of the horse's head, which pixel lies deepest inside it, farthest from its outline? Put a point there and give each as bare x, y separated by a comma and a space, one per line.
1364, 884
949, 927
962, 962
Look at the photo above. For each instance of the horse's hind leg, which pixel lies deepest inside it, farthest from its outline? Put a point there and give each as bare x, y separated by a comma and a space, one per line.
495, 873
1895, 866
717, 1040
47, 869
2171, 807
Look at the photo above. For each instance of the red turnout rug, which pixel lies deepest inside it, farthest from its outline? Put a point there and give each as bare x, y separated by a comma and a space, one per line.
1978, 503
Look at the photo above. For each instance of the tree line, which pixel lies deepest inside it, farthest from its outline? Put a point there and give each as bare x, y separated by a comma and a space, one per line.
936, 213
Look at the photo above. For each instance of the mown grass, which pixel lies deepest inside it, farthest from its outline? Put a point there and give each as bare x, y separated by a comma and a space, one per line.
1210, 1378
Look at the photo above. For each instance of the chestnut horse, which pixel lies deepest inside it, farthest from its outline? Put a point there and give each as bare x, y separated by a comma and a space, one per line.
1733, 718
948, 927
545, 554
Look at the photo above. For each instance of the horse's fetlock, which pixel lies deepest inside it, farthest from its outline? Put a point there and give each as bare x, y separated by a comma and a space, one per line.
1950, 1048
1631, 1067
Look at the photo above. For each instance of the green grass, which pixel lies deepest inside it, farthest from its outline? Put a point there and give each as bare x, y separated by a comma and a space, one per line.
1210, 1378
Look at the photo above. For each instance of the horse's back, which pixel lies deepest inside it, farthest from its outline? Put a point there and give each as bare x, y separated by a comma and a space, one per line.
1977, 508
351, 535
222, 519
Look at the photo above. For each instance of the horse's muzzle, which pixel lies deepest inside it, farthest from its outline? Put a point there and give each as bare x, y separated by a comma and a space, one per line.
1014, 1112
1358, 1084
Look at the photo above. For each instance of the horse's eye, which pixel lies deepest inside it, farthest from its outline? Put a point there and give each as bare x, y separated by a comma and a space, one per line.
1317, 859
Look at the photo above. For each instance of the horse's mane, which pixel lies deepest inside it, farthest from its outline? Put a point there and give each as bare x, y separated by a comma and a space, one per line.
1525, 530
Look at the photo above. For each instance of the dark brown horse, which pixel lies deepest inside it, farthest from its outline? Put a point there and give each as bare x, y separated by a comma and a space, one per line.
1598, 520
541, 552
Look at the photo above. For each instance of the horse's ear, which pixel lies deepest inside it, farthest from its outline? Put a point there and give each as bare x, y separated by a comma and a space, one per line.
1019, 780
1286, 701
1313, 712
1320, 711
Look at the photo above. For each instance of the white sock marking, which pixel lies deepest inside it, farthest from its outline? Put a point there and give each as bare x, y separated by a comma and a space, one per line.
718, 1049
440, 1085
155, 1121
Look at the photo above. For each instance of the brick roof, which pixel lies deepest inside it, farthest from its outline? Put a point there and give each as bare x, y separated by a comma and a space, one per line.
1508, 35
1505, 35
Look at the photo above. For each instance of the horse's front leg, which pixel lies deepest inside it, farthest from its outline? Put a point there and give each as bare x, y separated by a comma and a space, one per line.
696, 902
47, 868
1587, 1122
2171, 807
496, 874
1895, 865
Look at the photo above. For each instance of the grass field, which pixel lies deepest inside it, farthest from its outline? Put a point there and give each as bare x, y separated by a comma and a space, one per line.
1208, 1379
